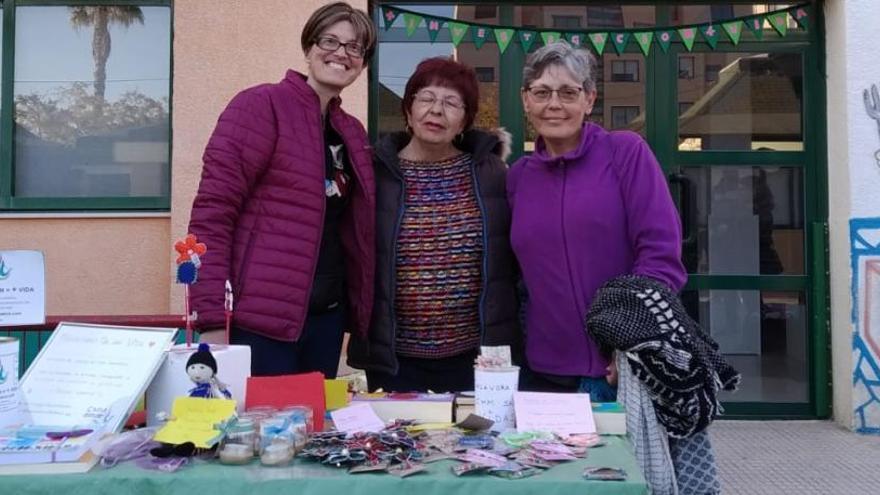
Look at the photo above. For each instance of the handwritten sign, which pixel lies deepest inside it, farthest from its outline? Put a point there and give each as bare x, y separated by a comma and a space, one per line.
564, 414
22, 288
92, 375
357, 418
493, 395
194, 419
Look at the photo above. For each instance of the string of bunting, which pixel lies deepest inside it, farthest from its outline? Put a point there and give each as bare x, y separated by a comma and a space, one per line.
710, 32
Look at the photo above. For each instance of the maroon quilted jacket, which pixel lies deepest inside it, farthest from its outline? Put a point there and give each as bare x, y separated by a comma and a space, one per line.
260, 211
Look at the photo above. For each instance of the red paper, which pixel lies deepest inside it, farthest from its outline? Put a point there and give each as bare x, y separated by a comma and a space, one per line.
288, 390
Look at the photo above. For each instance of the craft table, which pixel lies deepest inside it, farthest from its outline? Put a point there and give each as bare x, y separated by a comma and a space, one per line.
307, 478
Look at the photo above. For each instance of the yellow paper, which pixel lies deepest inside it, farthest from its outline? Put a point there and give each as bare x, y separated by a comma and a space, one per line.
193, 419
335, 394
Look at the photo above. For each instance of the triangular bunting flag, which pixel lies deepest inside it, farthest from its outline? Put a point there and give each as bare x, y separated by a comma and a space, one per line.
389, 16
576, 39
481, 34
411, 21
664, 39
756, 26
688, 36
457, 30
802, 17
779, 21
550, 37
711, 34
644, 39
433, 25
526, 38
619, 40
598, 41
503, 37
734, 30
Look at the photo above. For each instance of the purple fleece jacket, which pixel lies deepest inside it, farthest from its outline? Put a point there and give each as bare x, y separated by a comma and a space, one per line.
580, 219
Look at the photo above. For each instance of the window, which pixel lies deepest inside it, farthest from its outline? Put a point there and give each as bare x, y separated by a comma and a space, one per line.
485, 12
605, 16
712, 71
566, 21
685, 67
625, 71
485, 74
91, 125
622, 116
683, 106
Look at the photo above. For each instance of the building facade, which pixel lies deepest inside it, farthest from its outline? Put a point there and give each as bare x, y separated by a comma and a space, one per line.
769, 146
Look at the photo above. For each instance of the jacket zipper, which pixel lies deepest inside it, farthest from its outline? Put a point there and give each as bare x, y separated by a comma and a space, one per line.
564, 237
305, 313
485, 274
393, 267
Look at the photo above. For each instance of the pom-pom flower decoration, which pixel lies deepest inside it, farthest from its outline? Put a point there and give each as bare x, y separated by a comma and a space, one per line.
189, 251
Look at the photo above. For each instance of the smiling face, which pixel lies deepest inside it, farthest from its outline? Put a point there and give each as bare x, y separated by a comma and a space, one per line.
199, 373
333, 71
554, 119
437, 115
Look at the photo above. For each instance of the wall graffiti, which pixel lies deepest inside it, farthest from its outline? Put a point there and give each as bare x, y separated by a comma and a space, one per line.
865, 252
872, 106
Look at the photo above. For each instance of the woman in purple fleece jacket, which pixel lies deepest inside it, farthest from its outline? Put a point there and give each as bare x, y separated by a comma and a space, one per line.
587, 205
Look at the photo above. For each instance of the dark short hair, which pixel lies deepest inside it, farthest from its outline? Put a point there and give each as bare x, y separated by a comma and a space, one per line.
332, 13
443, 71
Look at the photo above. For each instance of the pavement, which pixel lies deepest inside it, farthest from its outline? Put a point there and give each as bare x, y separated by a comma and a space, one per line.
795, 457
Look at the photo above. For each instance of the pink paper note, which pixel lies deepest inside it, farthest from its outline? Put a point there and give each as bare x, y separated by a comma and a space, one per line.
357, 418
564, 414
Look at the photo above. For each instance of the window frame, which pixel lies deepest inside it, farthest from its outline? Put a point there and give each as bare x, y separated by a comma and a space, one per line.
693, 70
626, 110
615, 76
12, 204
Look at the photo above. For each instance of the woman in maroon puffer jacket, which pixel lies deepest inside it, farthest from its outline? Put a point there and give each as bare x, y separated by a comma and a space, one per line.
286, 206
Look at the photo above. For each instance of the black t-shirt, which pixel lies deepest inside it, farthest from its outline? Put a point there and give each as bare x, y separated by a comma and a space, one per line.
328, 288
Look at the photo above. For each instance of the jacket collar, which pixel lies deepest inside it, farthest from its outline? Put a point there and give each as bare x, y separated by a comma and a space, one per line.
306, 93
589, 132
476, 142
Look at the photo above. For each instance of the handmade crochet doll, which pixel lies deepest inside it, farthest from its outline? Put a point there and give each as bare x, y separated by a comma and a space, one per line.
202, 370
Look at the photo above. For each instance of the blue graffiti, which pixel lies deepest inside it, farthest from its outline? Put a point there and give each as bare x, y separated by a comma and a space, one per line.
866, 370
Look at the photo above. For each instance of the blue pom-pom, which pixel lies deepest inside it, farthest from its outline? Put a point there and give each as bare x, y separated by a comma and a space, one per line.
187, 273
203, 347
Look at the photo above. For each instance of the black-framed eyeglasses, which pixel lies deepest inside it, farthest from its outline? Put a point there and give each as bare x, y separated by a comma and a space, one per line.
331, 44
566, 94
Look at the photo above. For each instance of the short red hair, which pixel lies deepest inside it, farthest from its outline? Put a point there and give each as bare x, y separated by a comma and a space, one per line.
443, 71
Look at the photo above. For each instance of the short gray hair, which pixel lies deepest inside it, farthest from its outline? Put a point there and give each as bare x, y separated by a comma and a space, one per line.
579, 62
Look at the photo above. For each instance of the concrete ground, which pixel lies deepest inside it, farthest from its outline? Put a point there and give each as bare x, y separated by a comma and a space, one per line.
795, 457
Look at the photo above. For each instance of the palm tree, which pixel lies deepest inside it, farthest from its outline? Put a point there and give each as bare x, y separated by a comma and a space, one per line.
101, 18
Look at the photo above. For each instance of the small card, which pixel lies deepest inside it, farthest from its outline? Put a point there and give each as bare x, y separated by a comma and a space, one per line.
195, 420
468, 467
604, 474
484, 457
369, 468
406, 470
357, 418
563, 414
335, 394
497, 354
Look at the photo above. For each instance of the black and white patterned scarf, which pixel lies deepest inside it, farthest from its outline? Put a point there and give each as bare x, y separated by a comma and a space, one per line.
678, 363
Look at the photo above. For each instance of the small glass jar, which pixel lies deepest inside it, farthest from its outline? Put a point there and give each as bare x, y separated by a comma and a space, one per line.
299, 414
277, 442
237, 446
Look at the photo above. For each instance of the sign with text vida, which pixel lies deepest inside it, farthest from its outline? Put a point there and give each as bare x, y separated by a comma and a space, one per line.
22, 288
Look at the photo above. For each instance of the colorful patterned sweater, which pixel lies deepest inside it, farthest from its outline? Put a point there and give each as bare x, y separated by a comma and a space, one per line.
439, 256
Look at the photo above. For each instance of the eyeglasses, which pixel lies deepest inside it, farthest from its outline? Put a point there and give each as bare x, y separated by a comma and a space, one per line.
331, 44
450, 103
566, 94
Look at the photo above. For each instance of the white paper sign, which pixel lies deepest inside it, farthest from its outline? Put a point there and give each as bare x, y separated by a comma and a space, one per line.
92, 374
564, 414
357, 418
493, 395
22, 288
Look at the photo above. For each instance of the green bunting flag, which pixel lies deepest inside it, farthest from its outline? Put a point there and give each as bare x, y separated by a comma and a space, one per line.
644, 39
664, 39
711, 34
802, 17
411, 21
481, 34
457, 30
550, 37
598, 41
433, 25
503, 37
756, 26
733, 30
779, 21
576, 39
619, 40
526, 38
688, 36
389, 16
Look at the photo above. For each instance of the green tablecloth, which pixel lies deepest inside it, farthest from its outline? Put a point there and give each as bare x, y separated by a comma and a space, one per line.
307, 478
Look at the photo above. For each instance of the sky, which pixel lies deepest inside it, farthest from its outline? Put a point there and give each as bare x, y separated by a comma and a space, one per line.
398, 60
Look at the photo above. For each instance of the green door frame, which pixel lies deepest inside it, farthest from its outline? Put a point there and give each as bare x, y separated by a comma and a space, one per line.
661, 132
